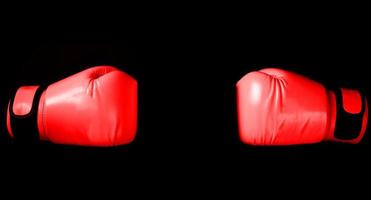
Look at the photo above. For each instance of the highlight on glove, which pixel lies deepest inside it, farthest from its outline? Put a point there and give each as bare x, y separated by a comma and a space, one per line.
278, 107
95, 107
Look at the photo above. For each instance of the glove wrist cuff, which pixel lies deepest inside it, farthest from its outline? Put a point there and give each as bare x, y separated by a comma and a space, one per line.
351, 115
22, 114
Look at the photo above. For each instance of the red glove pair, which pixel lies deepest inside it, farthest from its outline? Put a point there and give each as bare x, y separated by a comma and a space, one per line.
98, 107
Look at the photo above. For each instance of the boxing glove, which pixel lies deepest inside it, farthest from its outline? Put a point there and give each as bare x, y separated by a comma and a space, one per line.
96, 107
278, 107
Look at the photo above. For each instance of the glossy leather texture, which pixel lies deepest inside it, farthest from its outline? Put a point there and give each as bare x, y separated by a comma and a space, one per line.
278, 107
96, 107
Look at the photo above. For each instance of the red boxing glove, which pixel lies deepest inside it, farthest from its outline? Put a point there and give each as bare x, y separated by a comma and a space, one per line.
278, 107
96, 107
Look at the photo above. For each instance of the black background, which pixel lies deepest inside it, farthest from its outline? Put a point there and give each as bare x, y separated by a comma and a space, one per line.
187, 71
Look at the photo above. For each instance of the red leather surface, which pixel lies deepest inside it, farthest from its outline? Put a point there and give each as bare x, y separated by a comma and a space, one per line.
96, 107
278, 107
